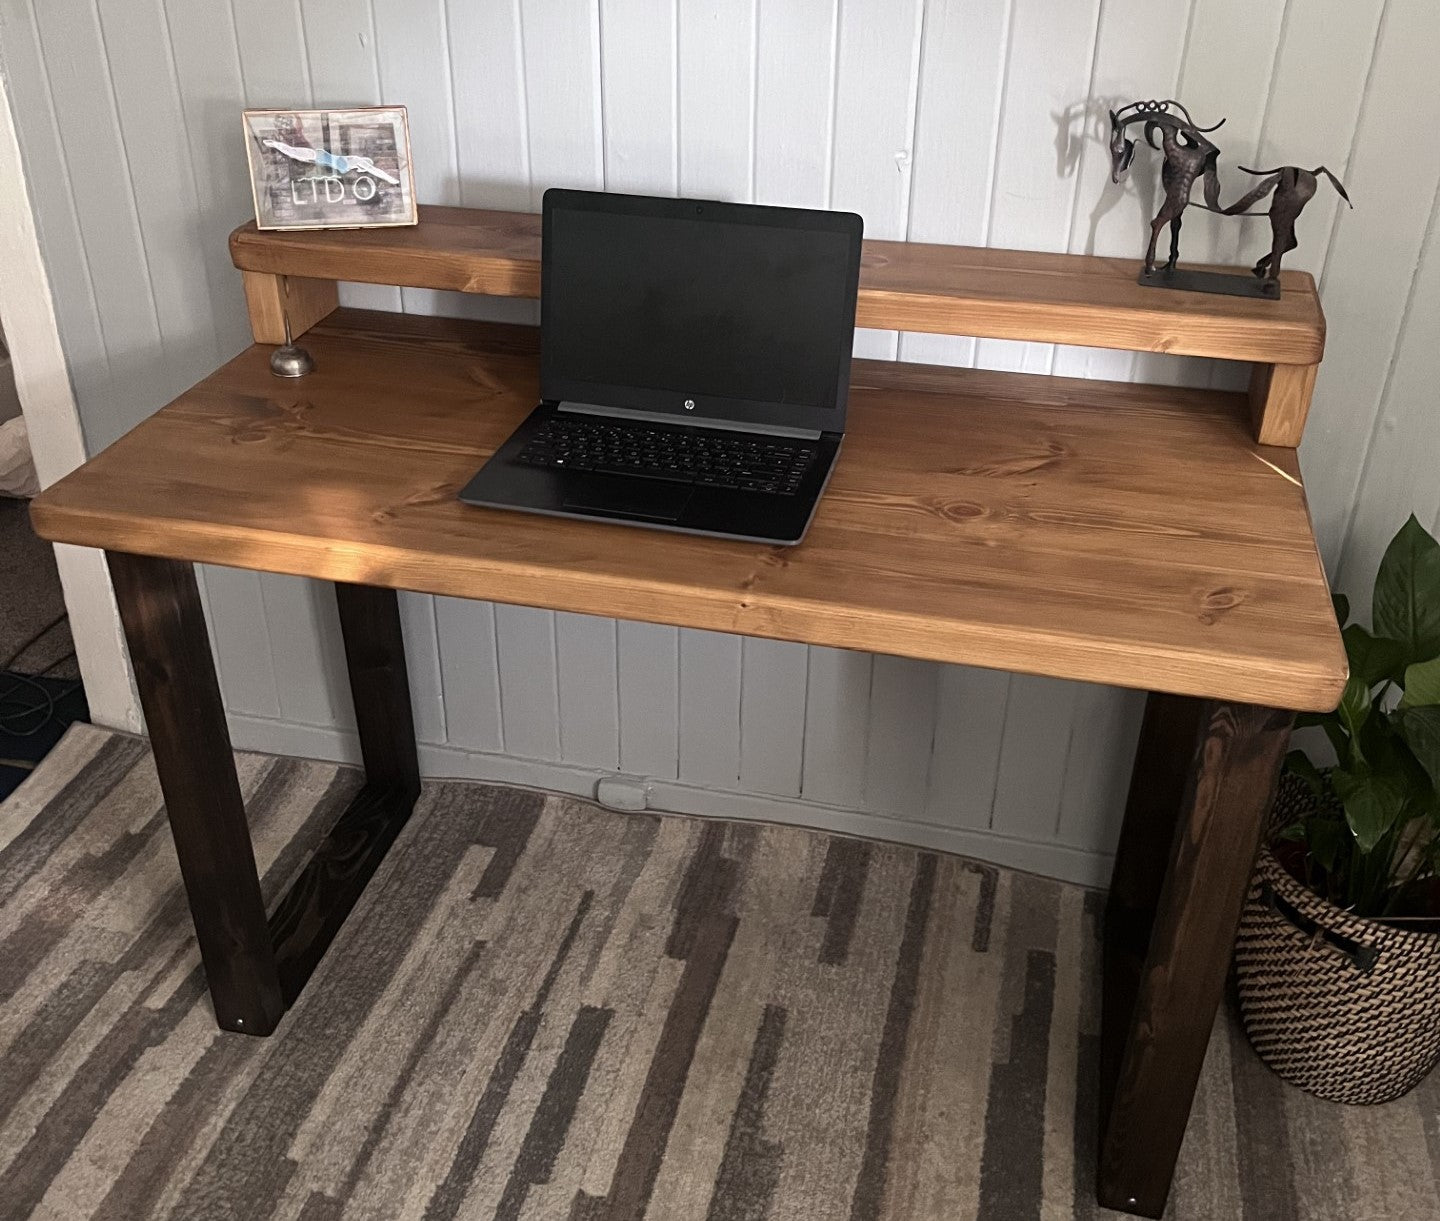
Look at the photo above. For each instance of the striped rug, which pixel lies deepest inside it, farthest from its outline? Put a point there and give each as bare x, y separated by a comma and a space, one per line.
542, 1009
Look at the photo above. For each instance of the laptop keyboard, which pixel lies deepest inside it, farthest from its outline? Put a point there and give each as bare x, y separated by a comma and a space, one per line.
704, 456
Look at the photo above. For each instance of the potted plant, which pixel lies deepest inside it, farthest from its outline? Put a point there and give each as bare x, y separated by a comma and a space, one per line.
1337, 963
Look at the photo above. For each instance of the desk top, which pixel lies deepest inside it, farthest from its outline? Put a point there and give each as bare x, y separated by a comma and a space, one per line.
908, 286
1123, 534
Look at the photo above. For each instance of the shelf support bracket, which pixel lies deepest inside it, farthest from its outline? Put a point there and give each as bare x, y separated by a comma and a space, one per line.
1280, 402
307, 302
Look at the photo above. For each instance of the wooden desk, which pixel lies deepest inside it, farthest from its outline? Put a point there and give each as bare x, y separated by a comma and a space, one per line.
1121, 534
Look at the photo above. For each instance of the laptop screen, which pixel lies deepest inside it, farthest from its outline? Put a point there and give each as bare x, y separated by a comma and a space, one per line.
739, 311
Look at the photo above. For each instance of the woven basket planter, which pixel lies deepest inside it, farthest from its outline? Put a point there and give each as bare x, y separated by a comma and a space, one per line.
1343, 1006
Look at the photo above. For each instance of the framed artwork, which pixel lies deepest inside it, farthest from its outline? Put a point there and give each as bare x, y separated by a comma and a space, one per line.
331, 169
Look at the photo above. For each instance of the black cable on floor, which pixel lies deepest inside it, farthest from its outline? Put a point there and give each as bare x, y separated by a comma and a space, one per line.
27, 707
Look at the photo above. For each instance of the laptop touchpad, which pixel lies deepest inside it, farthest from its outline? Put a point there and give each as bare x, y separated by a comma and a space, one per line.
650, 499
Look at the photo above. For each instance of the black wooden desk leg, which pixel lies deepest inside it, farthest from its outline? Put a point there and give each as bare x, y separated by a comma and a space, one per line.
379, 686
175, 673
1204, 779
313, 909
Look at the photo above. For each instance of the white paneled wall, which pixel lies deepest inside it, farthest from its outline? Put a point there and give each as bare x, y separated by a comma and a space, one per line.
970, 121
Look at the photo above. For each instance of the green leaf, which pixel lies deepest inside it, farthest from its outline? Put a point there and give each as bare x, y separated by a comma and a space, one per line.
1422, 684
1420, 727
1372, 805
1407, 592
1354, 709
1323, 840
1298, 762
1342, 608
1372, 658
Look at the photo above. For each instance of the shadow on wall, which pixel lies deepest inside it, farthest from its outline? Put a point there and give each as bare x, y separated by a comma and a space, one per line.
1088, 122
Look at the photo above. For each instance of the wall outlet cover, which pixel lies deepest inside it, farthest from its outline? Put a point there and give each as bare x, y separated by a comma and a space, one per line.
623, 792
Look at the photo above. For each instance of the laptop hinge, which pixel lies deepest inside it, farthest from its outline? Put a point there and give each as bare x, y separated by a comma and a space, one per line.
665, 417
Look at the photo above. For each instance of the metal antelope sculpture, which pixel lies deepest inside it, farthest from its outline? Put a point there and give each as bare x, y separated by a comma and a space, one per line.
1188, 156
1294, 188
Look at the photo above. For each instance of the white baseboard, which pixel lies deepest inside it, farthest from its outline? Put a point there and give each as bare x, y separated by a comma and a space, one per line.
671, 796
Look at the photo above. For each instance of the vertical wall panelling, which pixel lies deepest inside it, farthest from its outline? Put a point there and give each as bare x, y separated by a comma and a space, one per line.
412, 43
60, 228
1368, 271
422, 660
157, 159
562, 95
1138, 45
709, 709
1310, 119
938, 121
1400, 466
340, 54
491, 123
715, 88
1227, 77
877, 75
970, 722
529, 697
469, 660
306, 650
649, 677
1104, 728
88, 127
273, 63
957, 112
837, 704
900, 735
588, 690
235, 609
1040, 721
794, 97
772, 717
206, 60
638, 92
1050, 55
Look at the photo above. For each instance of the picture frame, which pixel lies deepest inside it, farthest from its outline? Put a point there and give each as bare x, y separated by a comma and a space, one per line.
331, 169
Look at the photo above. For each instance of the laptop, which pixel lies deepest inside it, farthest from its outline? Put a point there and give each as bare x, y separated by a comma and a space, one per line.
694, 366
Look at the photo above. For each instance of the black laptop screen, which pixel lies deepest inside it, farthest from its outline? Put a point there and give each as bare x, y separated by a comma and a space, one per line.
716, 308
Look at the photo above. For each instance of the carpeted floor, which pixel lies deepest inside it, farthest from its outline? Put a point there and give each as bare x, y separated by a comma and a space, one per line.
34, 633
542, 1009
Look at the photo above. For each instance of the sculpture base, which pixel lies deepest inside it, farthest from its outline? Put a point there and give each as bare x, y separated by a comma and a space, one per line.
1224, 283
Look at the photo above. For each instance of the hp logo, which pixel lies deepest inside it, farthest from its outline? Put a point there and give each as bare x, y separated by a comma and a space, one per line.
689, 404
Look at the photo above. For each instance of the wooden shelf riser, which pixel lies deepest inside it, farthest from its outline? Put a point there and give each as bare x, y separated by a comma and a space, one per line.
933, 289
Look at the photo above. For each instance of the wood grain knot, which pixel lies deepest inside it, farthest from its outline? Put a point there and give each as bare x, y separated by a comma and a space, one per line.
1048, 454
953, 510
436, 493
482, 376
271, 420
1217, 602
